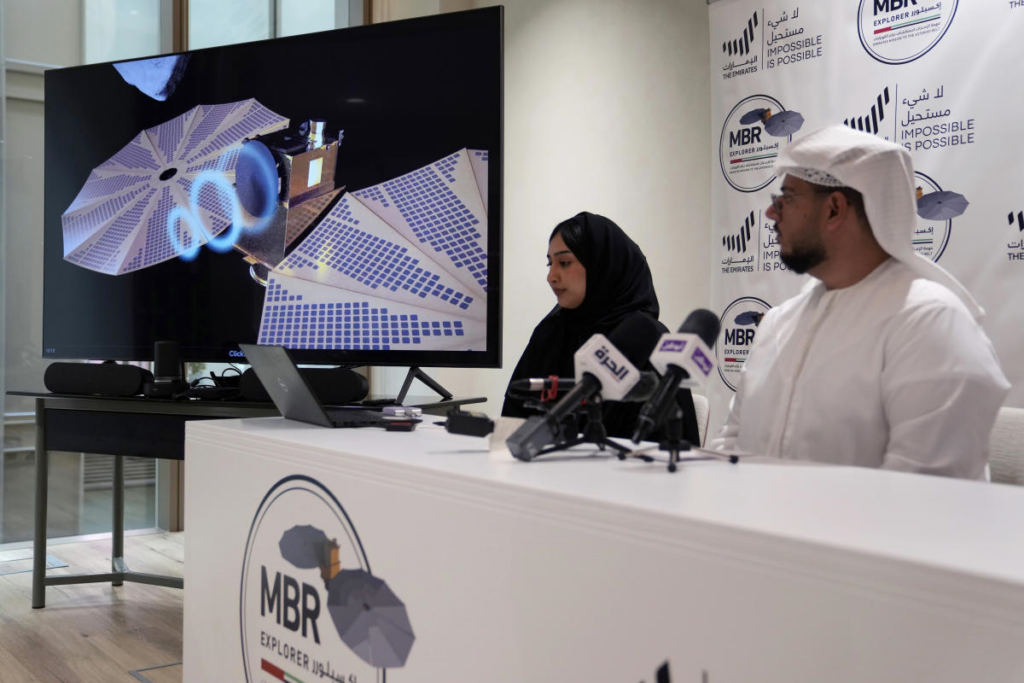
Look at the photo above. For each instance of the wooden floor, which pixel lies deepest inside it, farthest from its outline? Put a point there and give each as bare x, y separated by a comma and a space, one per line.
93, 633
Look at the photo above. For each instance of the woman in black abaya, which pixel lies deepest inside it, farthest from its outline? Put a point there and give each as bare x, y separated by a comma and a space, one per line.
601, 279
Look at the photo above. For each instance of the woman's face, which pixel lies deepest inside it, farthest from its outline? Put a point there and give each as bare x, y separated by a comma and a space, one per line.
566, 275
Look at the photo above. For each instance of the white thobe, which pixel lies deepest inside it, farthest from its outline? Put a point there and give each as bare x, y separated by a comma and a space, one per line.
892, 372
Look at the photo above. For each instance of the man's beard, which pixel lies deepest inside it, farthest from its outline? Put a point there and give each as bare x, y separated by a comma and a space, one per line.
803, 258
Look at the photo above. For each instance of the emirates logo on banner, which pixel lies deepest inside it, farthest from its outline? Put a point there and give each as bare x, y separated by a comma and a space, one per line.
741, 247
738, 49
1015, 247
1020, 219
741, 46
738, 242
871, 121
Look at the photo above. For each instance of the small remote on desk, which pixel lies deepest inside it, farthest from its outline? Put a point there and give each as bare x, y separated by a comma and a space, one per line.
402, 411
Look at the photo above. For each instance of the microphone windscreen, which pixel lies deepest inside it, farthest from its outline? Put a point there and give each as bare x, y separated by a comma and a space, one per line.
644, 388
702, 323
636, 336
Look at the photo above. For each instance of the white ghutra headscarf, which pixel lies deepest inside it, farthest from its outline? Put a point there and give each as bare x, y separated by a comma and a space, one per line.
839, 156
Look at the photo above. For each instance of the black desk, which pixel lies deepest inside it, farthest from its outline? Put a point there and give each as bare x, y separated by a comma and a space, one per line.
136, 426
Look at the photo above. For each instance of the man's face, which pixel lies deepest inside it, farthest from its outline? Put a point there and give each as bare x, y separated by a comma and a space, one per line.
797, 213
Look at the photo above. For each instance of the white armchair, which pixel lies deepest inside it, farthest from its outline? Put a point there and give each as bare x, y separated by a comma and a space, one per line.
1006, 447
703, 410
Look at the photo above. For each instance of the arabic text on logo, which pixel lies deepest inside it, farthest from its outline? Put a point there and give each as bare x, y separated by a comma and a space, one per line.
703, 362
673, 346
618, 370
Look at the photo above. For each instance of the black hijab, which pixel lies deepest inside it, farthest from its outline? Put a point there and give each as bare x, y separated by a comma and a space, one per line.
618, 279
619, 285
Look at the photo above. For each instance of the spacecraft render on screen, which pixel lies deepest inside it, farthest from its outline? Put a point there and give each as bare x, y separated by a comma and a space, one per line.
398, 265
156, 199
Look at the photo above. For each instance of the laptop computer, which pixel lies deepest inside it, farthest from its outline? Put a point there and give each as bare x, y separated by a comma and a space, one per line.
295, 400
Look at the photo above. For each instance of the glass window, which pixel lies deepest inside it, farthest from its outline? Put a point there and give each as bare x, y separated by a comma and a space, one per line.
310, 16
226, 22
120, 29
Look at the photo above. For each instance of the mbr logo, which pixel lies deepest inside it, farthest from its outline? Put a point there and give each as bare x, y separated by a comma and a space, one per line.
901, 31
747, 157
308, 600
740, 321
288, 607
892, 5
931, 236
745, 136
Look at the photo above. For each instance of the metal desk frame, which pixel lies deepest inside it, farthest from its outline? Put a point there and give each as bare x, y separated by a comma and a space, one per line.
123, 409
165, 419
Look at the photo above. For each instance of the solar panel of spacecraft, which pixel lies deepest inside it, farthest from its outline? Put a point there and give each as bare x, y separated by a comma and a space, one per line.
401, 265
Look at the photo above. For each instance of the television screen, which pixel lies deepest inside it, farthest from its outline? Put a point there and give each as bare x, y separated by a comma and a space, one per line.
336, 193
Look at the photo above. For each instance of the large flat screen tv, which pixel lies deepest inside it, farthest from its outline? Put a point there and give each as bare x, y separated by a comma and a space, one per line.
336, 193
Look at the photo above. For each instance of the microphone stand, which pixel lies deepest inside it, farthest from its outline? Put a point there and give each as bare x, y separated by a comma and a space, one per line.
594, 432
674, 443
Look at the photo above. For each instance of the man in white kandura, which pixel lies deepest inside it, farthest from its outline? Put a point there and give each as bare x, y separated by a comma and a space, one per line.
879, 361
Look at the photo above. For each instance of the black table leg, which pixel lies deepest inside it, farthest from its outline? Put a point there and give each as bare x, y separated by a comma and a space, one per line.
39, 541
117, 531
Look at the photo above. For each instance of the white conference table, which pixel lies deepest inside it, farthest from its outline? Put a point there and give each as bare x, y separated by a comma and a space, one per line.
583, 568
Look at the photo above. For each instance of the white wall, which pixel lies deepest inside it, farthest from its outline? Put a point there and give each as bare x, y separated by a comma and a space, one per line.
48, 32
3, 233
606, 110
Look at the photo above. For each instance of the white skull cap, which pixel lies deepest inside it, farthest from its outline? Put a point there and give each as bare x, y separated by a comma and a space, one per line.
884, 174
813, 175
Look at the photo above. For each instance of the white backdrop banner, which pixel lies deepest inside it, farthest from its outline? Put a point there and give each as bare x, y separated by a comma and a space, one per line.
940, 78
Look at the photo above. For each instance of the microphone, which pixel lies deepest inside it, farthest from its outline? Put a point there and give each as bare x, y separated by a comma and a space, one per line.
543, 383
683, 359
605, 365
641, 391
